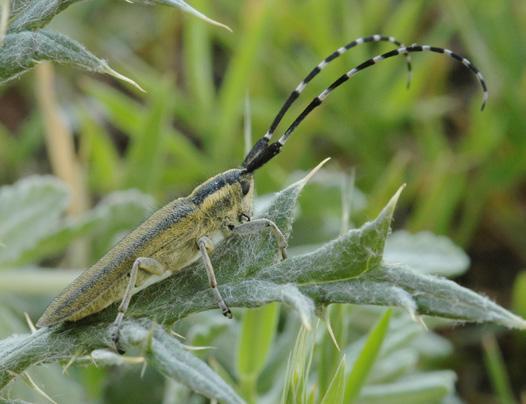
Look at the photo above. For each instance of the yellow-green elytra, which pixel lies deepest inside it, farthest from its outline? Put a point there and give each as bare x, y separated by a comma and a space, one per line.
169, 236
187, 228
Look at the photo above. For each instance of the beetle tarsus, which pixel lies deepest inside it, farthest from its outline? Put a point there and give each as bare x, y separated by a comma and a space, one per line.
227, 313
115, 337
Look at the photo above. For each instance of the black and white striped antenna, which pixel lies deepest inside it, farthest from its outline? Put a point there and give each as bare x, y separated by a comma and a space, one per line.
262, 152
313, 73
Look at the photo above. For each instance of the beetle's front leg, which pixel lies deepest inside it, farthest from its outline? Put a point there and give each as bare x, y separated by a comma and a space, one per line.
205, 245
145, 264
257, 225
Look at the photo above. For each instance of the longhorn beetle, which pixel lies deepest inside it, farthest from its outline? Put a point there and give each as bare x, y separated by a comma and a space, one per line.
187, 228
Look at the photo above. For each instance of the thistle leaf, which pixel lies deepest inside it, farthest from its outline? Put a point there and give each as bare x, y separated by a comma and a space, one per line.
29, 15
431, 387
427, 253
171, 358
28, 210
23, 50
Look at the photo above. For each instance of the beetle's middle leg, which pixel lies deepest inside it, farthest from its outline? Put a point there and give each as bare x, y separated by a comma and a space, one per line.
205, 245
142, 263
257, 225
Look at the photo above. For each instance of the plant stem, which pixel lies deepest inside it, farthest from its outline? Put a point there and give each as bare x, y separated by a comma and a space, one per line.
61, 151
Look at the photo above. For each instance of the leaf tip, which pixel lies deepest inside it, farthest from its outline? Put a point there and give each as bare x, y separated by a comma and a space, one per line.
218, 24
331, 332
185, 7
225, 27
397, 194
30, 323
124, 78
419, 320
391, 205
521, 323
311, 173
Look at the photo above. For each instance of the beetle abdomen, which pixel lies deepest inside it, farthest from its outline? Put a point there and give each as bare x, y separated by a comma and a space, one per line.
104, 283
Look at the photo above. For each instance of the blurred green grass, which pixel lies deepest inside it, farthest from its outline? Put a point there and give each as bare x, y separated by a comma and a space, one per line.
465, 169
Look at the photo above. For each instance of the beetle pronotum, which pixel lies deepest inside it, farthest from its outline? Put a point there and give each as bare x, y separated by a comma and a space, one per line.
187, 228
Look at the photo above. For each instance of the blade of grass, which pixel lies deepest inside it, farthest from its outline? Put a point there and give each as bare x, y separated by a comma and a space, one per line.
144, 157
329, 354
197, 49
96, 147
257, 334
366, 358
59, 139
497, 370
234, 86
336, 390
296, 383
519, 294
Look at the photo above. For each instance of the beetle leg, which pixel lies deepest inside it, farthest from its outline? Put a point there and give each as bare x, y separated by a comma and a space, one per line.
205, 245
143, 263
256, 225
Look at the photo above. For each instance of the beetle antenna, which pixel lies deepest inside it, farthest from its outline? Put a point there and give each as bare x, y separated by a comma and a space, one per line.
314, 72
262, 143
274, 148
370, 62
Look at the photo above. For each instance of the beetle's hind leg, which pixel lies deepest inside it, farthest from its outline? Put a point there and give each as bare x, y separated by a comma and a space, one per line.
257, 225
142, 263
205, 245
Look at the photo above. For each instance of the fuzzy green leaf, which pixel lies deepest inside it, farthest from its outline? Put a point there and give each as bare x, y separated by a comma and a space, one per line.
392, 285
170, 357
430, 387
32, 226
28, 210
444, 298
426, 253
118, 212
23, 50
356, 252
33, 14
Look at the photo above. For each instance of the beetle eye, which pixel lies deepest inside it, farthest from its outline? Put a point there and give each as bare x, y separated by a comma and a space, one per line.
245, 187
